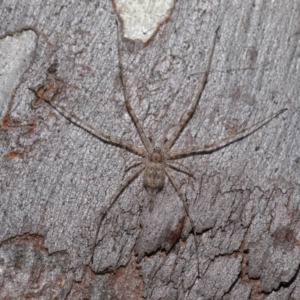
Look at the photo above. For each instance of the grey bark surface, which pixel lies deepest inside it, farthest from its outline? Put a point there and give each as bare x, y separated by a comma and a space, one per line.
56, 179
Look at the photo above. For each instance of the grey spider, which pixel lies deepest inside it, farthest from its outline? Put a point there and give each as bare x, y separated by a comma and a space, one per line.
156, 161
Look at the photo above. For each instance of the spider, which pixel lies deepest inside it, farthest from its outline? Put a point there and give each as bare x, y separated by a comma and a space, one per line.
155, 161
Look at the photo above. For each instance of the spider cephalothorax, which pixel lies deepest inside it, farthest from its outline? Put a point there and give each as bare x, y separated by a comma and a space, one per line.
156, 156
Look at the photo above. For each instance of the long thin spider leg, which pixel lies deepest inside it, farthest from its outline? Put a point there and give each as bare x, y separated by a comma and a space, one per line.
186, 211
226, 141
188, 115
90, 129
132, 164
115, 195
180, 168
130, 110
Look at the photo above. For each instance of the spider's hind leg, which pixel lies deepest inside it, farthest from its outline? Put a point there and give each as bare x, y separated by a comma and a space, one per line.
177, 166
115, 196
186, 208
132, 163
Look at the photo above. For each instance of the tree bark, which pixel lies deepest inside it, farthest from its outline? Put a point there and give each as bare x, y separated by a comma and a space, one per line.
56, 178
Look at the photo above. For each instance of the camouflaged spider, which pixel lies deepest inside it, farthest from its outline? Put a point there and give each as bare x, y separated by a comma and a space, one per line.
156, 161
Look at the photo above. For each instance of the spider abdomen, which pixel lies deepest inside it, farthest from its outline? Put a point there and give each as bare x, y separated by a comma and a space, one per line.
154, 176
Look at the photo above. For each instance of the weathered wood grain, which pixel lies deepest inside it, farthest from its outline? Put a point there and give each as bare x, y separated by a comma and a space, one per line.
55, 179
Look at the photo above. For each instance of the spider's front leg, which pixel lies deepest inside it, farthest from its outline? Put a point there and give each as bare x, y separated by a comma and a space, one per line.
144, 138
188, 115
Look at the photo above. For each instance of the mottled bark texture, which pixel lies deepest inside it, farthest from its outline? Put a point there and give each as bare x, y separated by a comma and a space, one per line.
56, 178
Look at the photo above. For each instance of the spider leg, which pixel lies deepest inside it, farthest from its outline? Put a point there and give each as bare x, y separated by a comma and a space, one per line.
132, 164
115, 195
171, 178
90, 129
130, 110
188, 115
226, 141
177, 166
